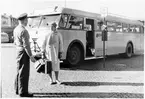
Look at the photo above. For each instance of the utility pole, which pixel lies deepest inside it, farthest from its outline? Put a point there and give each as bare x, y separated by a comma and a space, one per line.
104, 48
104, 13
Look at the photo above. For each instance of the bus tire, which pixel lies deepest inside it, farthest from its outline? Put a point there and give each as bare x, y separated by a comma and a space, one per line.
129, 50
74, 55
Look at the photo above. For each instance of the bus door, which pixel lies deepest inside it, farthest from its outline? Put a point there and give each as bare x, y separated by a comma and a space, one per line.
89, 37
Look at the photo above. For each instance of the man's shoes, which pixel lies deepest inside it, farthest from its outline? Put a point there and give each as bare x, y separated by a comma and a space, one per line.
26, 95
17, 93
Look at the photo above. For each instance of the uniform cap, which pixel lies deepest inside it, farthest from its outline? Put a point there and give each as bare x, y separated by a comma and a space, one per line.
22, 16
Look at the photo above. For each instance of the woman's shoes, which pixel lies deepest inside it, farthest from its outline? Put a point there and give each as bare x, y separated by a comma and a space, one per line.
56, 82
52, 83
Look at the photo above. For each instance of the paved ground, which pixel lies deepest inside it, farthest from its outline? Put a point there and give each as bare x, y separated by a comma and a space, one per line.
121, 78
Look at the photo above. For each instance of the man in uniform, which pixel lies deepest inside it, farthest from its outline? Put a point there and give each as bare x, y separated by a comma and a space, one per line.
24, 55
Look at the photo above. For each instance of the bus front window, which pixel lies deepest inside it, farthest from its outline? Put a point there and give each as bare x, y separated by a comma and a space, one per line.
42, 21
48, 20
33, 22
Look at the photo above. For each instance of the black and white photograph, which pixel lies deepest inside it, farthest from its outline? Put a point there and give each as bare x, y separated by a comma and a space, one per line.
72, 49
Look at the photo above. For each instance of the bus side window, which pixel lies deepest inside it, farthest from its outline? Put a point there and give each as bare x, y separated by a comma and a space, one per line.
126, 27
138, 29
63, 20
111, 26
135, 29
98, 25
132, 29
118, 27
75, 22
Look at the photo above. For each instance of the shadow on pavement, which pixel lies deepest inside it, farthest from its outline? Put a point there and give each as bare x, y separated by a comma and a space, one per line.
100, 84
88, 95
112, 63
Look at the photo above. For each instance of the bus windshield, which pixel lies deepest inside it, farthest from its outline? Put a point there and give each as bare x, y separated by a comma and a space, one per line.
33, 22
43, 21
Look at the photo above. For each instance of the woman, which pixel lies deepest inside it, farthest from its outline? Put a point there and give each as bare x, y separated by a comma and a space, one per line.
53, 47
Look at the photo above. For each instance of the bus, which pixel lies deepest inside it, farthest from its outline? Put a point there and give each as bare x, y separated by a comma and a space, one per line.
82, 35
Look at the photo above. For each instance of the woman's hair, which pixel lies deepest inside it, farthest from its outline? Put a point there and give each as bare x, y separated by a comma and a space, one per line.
54, 24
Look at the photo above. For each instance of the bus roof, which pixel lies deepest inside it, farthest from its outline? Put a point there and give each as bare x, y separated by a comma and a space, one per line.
64, 10
123, 20
98, 16
86, 14
49, 11
81, 13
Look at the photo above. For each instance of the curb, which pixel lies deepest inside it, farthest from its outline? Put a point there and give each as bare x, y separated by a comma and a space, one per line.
4, 45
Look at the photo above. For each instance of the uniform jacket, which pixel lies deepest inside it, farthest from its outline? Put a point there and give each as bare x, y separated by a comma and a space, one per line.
21, 39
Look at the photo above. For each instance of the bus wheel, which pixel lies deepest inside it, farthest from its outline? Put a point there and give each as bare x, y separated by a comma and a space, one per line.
74, 55
129, 50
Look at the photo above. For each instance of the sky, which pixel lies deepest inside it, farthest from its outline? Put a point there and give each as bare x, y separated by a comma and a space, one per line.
134, 9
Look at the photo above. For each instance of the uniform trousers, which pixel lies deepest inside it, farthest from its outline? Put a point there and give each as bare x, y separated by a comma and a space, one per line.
23, 68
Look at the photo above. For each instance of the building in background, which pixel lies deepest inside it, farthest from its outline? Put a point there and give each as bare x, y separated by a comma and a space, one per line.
8, 23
